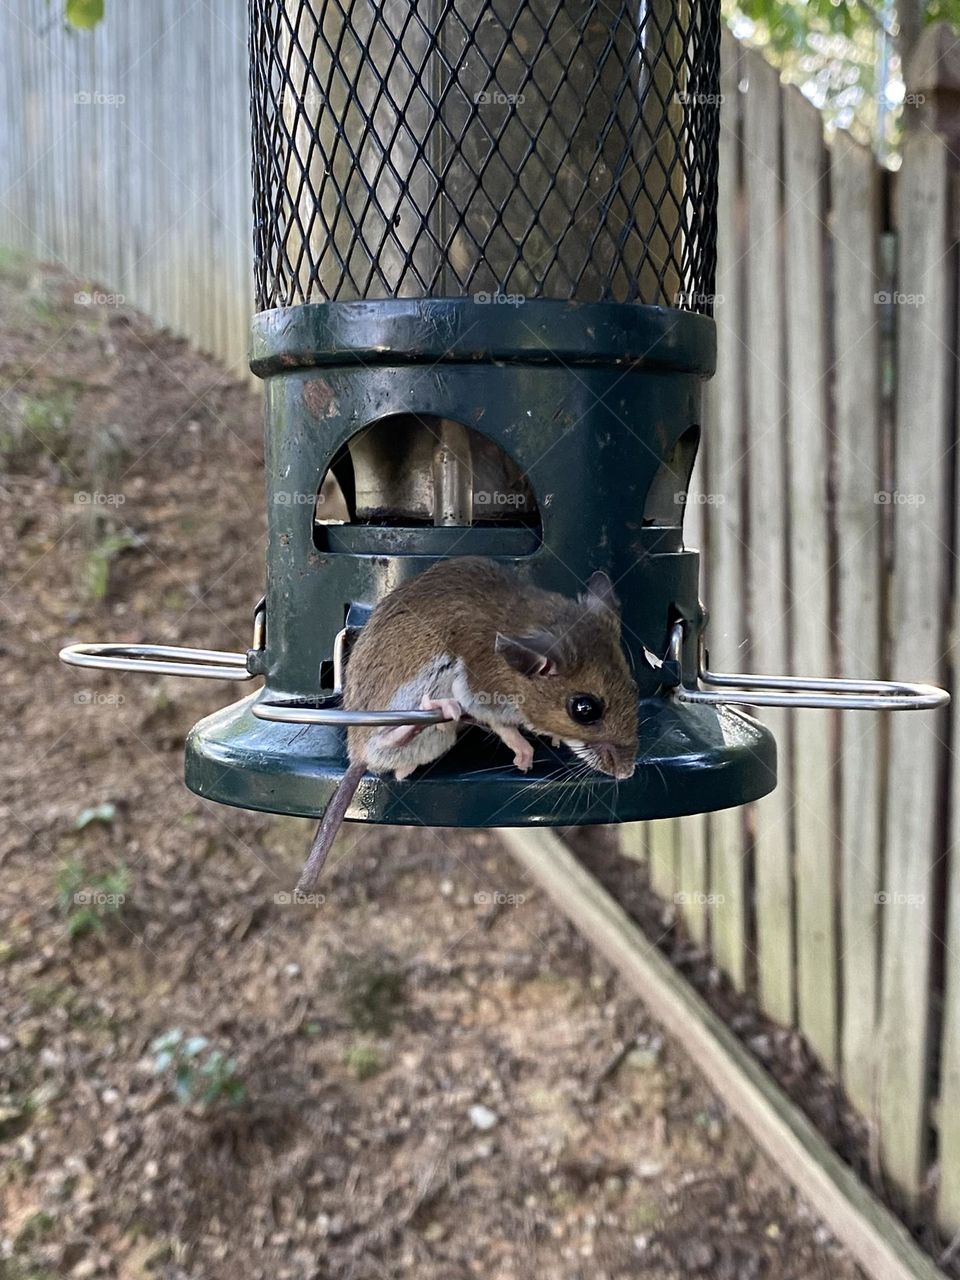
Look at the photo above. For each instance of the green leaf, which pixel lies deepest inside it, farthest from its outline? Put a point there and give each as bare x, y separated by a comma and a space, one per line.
83, 14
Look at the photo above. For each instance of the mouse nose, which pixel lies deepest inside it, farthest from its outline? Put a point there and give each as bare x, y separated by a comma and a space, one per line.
618, 761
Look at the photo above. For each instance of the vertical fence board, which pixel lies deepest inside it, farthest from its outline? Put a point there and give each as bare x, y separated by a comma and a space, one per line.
633, 841
693, 876
949, 1110
858, 479
805, 172
726, 526
663, 855
767, 514
917, 640
949, 1102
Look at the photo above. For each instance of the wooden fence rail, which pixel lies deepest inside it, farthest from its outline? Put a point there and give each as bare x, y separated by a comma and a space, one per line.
822, 501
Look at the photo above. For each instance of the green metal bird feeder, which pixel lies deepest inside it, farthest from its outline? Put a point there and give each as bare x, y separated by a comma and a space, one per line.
485, 236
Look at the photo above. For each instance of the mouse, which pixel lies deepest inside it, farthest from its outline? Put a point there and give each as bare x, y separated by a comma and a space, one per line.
469, 639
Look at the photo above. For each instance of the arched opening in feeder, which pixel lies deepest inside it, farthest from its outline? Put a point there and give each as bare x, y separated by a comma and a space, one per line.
667, 496
415, 483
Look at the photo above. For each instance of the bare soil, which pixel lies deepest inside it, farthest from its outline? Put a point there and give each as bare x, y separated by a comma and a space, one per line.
427, 1075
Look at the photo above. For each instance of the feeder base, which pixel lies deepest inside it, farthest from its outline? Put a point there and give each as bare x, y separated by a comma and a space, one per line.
692, 759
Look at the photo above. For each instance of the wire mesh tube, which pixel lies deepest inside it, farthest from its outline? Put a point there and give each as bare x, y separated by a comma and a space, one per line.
537, 148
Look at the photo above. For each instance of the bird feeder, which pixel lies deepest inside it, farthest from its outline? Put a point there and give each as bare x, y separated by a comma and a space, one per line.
485, 241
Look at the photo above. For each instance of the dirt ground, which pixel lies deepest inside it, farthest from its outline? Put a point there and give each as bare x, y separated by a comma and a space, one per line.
419, 1075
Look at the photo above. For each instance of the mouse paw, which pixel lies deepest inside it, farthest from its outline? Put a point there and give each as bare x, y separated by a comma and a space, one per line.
451, 709
521, 747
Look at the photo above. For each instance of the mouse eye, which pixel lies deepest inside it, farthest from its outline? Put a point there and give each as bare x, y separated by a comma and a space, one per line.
585, 708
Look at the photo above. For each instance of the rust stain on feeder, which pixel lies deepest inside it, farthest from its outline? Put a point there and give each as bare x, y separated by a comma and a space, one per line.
319, 398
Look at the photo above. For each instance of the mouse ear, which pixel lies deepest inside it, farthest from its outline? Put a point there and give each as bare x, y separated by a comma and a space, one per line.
537, 654
600, 595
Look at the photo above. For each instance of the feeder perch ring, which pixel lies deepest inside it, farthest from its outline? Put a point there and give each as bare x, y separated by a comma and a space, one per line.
285, 713
216, 664
802, 691
175, 660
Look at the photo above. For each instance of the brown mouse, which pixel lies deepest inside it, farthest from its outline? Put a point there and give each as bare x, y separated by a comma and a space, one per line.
468, 638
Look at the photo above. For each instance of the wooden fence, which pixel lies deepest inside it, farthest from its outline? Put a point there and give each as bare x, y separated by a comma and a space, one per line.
124, 155
823, 501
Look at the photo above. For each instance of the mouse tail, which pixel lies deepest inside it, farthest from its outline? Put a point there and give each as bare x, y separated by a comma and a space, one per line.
329, 826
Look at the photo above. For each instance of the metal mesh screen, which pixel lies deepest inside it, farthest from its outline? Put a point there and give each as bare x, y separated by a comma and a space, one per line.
442, 148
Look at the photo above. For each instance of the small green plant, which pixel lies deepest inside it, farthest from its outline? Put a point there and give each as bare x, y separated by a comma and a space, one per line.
372, 994
36, 1228
364, 1061
37, 427
100, 560
89, 901
15, 266
199, 1072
